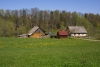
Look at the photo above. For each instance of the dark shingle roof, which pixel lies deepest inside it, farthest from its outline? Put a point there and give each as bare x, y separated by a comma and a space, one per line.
77, 29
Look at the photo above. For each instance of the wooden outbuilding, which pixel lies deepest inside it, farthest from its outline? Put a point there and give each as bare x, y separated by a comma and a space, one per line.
36, 32
77, 31
62, 34
22, 36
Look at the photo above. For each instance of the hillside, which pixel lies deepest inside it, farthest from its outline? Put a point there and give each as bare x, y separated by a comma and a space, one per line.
16, 22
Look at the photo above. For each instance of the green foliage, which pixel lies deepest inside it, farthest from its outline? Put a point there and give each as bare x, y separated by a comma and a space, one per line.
88, 25
97, 36
6, 28
21, 30
68, 52
75, 18
15, 22
62, 26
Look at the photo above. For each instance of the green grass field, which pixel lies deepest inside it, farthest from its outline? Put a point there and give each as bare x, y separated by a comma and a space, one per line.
69, 52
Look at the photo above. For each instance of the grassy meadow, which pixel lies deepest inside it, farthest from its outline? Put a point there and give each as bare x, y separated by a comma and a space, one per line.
69, 52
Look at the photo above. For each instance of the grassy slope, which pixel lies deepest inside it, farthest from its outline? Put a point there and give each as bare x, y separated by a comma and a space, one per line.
29, 52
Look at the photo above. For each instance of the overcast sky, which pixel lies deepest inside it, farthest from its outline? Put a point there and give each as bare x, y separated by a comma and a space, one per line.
83, 6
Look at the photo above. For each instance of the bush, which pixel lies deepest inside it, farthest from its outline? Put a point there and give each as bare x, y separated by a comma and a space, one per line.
97, 36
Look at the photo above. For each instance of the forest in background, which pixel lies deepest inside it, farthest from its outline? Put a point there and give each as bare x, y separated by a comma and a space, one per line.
16, 22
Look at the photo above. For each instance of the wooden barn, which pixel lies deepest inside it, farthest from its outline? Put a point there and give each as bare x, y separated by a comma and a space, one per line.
77, 31
36, 32
62, 34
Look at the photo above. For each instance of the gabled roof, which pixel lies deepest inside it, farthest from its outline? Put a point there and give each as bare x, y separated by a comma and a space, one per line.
63, 32
33, 30
77, 29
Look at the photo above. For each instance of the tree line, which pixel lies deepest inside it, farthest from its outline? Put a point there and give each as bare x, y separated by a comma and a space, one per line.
16, 22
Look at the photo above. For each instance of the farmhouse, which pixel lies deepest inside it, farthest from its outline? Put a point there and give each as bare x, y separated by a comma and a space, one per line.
36, 32
77, 31
62, 34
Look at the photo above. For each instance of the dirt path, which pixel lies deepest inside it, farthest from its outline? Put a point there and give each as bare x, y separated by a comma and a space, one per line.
88, 39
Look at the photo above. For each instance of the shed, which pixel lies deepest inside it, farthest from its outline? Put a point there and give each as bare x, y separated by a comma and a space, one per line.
36, 32
22, 36
62, 34
77, 31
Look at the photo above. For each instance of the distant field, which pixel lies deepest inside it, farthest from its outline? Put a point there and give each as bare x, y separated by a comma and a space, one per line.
69, 52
